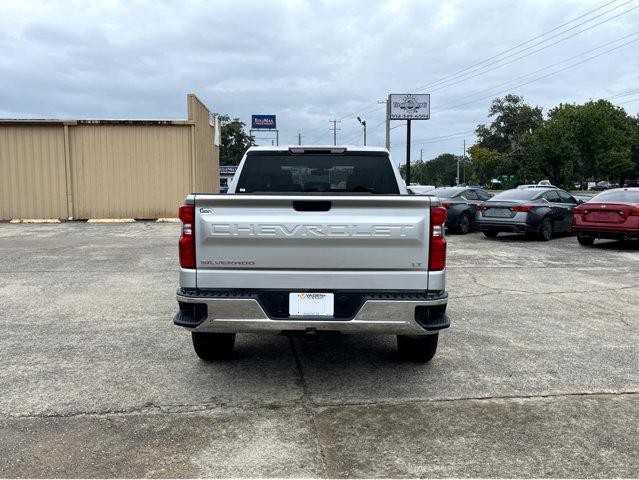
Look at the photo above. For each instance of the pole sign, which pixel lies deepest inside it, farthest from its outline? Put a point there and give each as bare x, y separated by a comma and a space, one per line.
228, 170
409, 106
263, 122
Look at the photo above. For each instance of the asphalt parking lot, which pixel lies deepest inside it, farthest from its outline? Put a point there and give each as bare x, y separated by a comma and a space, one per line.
538, 375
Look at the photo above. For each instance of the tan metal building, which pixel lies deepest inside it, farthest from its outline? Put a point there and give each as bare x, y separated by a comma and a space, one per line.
81, 169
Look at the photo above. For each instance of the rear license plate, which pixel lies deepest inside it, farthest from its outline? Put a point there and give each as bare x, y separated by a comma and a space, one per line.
604, 217
498, 212
311, 304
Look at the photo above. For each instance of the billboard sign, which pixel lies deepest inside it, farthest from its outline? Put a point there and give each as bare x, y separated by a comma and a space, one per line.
263, 122
409, 106
228, 170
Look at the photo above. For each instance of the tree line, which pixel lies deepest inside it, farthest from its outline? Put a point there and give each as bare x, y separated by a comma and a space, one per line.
573, 144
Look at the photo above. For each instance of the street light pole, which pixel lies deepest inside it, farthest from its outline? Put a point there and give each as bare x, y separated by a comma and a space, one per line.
363, 122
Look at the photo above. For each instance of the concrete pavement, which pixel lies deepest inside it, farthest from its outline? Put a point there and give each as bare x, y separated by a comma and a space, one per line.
538, 375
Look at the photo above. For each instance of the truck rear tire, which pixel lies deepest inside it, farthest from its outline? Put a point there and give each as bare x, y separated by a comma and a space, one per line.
420, 348
213, 346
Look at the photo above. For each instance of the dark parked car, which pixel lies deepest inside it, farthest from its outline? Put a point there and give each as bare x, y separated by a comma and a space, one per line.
537, 212
460, 204
611, 214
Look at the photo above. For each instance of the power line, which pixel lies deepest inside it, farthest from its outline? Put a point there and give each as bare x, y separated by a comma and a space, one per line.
628, 101
547, 67
530, 53
498, 66
623, 94
445, 79
540, 78
435, 139
500, 63
452, 76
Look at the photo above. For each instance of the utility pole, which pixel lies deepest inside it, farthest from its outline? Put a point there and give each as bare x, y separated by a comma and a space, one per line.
464, 157
421, 154
299, 138
335, 129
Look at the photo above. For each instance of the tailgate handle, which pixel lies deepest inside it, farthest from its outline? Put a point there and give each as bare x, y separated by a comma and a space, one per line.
312, 206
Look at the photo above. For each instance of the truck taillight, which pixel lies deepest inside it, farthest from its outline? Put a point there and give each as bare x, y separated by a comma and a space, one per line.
187, 239
437, 251
480, 207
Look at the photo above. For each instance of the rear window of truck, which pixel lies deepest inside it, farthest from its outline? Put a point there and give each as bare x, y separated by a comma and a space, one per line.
280, 172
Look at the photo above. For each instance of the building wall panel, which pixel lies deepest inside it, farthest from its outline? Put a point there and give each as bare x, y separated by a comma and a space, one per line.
207, 155
122, 171
84, 169
32, 172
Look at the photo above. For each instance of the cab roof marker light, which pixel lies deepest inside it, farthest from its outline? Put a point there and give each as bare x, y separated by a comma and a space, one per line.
317, 150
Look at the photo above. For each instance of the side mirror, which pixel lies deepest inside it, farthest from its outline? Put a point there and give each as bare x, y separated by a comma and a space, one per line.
410, 192
580, 201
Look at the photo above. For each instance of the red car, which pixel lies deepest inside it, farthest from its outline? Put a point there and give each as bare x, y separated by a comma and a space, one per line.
611, 214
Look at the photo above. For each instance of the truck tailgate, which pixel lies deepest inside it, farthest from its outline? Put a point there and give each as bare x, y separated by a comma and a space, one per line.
276, 241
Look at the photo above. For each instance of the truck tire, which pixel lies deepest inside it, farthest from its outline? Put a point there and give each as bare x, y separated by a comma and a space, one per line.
213, 346
417, 348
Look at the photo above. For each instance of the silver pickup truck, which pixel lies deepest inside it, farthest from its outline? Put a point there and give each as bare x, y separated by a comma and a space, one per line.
313, 239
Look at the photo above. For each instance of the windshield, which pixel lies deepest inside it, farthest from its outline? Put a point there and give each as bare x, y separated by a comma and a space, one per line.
286, 172
518, 194
446, 192
618, 196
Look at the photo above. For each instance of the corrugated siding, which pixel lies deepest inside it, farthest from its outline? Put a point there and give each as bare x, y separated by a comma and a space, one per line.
121, 171
207, 156
32, 172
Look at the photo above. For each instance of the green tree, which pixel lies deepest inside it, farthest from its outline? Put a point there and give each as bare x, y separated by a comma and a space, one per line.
552, 149
512, 121
235, 141
593, 140
604, 135
512, 118
487, 163
417, 172
441, 170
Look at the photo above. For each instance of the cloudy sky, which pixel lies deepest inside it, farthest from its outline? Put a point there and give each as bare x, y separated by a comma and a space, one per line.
311, 61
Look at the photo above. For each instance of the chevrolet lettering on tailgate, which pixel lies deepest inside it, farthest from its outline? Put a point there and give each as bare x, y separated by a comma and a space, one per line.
312, 230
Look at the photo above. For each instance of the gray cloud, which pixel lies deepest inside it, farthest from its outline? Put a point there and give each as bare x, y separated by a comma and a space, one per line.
306, 61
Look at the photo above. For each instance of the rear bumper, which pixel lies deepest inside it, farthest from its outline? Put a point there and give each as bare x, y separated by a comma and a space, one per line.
406, 313
618, 234
503, 227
